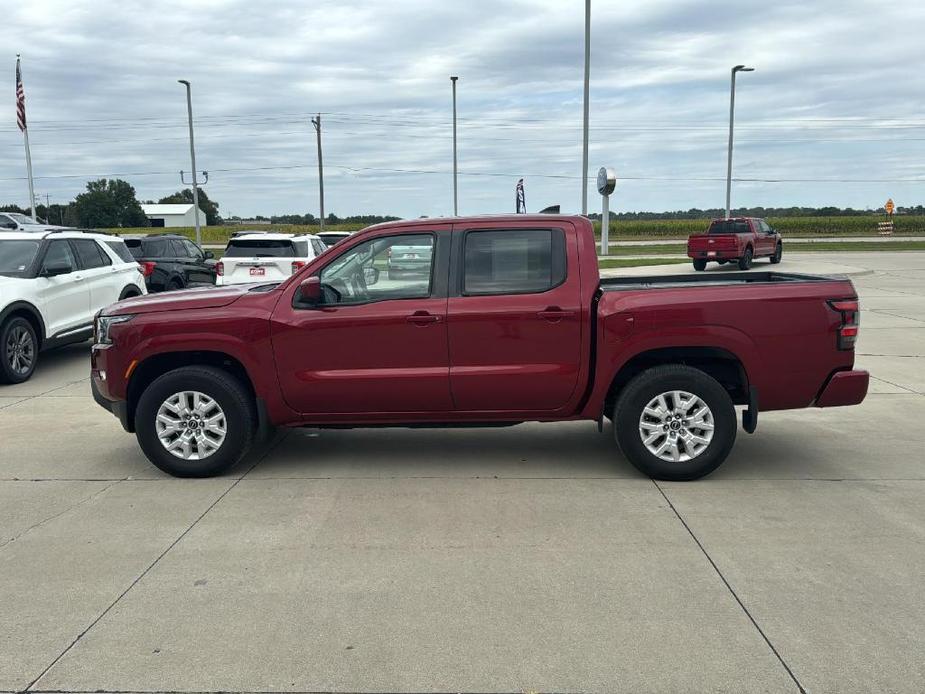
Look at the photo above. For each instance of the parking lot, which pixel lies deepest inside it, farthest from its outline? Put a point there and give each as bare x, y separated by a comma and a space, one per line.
533, 558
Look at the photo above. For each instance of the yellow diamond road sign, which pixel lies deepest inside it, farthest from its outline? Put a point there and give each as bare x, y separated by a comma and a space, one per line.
889, 206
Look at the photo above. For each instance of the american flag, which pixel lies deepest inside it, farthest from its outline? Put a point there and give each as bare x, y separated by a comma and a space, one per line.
20, 99
519, 201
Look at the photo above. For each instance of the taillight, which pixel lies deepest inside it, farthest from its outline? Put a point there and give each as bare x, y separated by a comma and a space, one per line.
220, 268
147, 268
297, 265
850, 311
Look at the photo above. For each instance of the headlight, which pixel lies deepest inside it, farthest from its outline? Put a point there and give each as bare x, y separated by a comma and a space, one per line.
103, 325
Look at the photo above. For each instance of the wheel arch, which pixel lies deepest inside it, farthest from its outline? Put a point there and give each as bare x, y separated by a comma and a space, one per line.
720, 363
158, 364
28, 311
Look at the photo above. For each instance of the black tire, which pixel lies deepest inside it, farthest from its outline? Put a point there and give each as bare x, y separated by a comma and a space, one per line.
745, 262
778, 252
174, 285
19, 350
129, 292
639, 392
700, 264
233, 398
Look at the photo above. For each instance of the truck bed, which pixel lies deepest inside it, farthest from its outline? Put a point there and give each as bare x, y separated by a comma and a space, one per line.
616, 284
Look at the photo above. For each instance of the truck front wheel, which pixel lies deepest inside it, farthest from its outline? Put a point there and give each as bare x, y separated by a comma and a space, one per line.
196, 421
675, 422
700, 264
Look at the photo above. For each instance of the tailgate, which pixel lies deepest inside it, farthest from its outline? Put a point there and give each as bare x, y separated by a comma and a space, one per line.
712, 242
242, 270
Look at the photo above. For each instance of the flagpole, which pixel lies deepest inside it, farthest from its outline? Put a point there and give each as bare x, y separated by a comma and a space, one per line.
25, 134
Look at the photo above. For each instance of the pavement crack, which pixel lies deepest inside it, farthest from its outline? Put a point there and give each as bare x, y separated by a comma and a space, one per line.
269, 449
88, 499
730, 589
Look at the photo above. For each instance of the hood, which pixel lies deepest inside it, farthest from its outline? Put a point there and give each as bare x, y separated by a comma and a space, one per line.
183, 299
11, 284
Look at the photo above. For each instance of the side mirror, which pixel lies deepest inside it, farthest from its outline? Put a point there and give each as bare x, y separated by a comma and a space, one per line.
56, 269
310, 290
209, 255
370, 275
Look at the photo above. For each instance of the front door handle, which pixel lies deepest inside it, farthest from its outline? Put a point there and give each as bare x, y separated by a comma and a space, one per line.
422, 318
554, 314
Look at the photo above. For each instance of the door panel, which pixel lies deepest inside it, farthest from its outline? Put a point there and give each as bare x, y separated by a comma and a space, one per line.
381, 349
97, 270
515, 351
65, 298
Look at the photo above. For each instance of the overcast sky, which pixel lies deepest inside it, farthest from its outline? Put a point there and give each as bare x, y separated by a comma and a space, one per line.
833, 114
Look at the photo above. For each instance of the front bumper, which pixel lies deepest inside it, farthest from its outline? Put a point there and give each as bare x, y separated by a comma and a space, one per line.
844, 388
119, 408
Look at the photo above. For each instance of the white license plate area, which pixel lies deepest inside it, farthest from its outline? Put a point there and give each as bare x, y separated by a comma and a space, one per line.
258, 271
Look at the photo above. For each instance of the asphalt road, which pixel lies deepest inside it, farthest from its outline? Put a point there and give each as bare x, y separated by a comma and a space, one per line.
500, 560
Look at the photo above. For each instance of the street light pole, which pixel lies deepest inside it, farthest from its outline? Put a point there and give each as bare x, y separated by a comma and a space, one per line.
584, 143
732, 107
453, 79
192, 154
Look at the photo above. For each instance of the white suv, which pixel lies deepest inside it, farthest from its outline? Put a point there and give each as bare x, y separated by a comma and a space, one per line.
254, 256
51, 286
13, 221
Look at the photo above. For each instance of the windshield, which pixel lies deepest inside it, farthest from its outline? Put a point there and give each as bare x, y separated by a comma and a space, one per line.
21, 218
260, 248
729, 226
16, 257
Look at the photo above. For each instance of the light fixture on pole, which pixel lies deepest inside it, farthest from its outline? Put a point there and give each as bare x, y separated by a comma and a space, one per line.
606, 182
453, 79
732, 106
192, 154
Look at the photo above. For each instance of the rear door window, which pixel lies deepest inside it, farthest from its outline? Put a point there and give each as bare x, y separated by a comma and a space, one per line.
90, 254
515, 261
260, 248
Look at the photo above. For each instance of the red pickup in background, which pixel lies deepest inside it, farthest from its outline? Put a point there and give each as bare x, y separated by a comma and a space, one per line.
736, 240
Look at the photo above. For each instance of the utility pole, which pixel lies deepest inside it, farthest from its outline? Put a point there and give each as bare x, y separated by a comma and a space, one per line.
192, 154
317, 123
732, 108
47, 208
584, 145
455, 189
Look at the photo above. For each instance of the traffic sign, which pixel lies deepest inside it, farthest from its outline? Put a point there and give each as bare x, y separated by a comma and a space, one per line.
889, 207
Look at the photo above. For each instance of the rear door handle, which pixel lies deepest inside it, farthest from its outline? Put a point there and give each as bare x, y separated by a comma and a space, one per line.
422, 318
554, 314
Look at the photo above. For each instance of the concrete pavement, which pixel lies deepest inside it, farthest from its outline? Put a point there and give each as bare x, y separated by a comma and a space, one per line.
509, 560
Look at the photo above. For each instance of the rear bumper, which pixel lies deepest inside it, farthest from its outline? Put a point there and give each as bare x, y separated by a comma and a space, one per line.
844, 388
713, 255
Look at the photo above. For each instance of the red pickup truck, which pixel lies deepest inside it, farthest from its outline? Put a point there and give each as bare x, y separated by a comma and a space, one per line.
739, 240
509, 323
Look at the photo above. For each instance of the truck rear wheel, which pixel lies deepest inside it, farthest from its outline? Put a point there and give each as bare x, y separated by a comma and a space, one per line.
745, 262
675, 422
700, 264
196, 421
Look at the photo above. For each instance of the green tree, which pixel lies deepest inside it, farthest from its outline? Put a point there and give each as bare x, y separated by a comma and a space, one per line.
205, 204
109, 203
